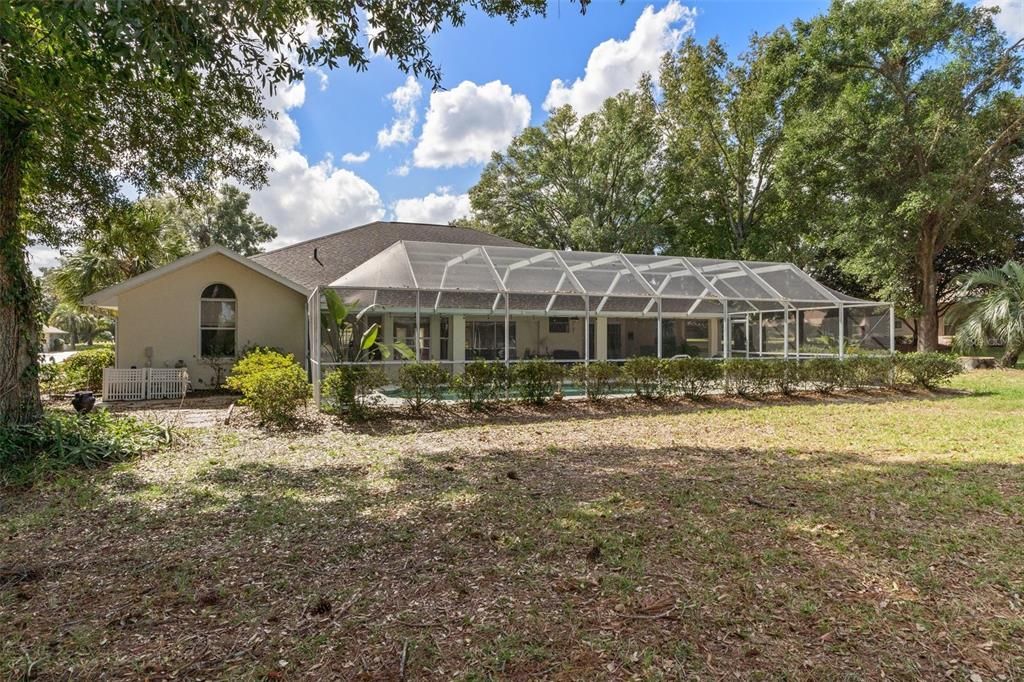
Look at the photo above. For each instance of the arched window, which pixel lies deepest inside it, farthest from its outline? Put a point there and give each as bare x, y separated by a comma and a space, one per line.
217, 319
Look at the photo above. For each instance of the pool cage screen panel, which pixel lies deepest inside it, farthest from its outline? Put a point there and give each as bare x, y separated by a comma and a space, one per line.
767, 309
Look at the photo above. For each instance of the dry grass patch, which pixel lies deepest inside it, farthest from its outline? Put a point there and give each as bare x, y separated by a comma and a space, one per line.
864, 536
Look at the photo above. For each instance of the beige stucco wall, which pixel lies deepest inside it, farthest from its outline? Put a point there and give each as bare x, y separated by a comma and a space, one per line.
164, 315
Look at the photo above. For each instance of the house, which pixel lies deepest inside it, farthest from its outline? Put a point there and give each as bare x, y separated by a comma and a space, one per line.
455, 294
52, 337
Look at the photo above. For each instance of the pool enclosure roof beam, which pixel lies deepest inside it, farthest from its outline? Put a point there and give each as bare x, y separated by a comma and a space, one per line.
442, 269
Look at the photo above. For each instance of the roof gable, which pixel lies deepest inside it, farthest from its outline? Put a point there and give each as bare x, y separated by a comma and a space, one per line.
338, 253
107, 298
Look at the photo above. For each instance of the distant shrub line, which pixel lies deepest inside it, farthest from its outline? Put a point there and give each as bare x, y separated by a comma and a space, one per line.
351, 391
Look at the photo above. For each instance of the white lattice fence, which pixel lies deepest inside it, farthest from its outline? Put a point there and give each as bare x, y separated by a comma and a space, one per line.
143, 384
166, 383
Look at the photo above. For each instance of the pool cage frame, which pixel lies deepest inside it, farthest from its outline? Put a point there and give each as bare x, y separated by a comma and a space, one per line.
732, 291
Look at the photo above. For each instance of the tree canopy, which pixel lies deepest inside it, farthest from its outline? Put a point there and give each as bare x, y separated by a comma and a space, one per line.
723, 124
913, 124
222, 217
575, 182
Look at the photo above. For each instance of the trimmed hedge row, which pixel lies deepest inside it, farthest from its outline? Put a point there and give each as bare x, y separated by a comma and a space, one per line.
351, 390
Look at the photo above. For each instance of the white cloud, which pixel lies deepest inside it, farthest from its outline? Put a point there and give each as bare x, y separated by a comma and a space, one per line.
465, 124
304, 199
440, 207
403, 100
401, 171
617, 65
1010, 19
352, 157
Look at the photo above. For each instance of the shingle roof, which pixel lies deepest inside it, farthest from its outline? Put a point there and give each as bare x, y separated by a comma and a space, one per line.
342, 251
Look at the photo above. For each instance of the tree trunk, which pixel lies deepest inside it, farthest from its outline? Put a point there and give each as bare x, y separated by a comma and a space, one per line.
19, 323
928, 325
1010, 355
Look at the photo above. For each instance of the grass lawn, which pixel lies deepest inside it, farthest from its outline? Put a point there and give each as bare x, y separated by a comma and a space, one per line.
859, 537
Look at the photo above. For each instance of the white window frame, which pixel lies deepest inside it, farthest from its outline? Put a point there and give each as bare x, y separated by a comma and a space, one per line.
202, 327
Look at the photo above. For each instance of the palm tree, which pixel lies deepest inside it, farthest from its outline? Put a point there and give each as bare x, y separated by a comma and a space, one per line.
128, 241
992, 307
82, 324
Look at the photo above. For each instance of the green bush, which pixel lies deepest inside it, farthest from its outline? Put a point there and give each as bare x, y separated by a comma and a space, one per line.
481, 382
650, 380
927, 370
63, 440
348, 391
422, 383
55, 379
748, 378
84, 369
825, 374
272, 384
256, 360
783, 376
693, 377
536, 381
597, 378
863, 371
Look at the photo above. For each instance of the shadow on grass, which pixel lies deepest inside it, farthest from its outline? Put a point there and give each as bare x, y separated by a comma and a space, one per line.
544, 561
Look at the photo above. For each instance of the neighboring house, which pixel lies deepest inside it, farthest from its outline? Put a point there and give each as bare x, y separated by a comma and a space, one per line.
439, 289
51, 335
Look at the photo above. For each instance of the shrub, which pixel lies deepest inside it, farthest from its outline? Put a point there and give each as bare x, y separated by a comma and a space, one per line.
869, 370
783, 376
422, 383
748, 378
272, 384
84, 369
693, 377
255, 360
481, 382
536, 381
650, 380
597, 378
55, 379
927, 370
62, 440
349, 391
824, 374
